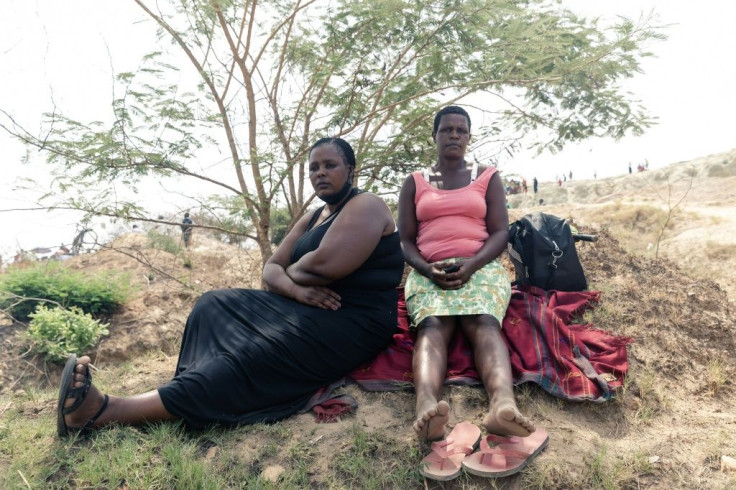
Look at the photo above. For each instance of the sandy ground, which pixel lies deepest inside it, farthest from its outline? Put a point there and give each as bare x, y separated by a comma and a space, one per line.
668, 428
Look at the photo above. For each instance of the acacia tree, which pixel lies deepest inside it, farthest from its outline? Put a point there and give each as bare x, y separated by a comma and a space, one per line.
263, 79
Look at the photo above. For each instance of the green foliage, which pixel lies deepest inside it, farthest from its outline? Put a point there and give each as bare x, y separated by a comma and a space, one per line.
163, 242
227, 213
374, 72
22, 289
58, 332
280, 223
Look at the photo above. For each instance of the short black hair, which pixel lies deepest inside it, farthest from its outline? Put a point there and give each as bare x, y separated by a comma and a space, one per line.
186, 215
346, 151
450, 109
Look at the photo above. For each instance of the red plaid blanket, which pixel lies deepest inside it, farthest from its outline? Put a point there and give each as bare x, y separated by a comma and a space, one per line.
570, 361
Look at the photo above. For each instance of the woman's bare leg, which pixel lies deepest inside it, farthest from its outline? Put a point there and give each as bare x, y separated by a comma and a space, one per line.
429, 364
134, 410
494, 367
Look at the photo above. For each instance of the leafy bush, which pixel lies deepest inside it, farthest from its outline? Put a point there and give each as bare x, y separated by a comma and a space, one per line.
163, 242
98, 295
58, 332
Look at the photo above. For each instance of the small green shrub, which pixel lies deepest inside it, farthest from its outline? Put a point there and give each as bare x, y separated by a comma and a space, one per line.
166, 243
58, 332
100, 294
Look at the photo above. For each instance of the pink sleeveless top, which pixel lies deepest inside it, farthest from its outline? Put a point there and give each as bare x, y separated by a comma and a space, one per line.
452, 223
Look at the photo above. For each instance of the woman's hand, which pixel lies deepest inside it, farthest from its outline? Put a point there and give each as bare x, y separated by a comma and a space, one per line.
318, 296
450, 280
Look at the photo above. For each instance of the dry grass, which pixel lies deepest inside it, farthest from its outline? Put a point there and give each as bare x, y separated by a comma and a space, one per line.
668, 427
717, 375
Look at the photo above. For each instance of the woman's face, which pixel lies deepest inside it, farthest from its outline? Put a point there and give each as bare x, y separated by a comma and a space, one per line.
328, 172
452, 136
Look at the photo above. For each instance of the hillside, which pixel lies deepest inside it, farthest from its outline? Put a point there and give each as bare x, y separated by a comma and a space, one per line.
701, 236
668, 428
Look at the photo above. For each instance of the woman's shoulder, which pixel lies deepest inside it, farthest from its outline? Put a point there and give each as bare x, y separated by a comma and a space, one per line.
415, 177
367, 205
367, 201
486, 170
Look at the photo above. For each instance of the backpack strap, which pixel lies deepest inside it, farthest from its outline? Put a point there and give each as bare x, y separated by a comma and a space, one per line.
516, 253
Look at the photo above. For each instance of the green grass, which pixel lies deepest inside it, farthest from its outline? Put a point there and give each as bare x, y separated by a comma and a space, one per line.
166, 455
165, 243
356, 465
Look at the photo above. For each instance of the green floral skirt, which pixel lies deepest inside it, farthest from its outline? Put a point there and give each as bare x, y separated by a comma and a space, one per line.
488, 292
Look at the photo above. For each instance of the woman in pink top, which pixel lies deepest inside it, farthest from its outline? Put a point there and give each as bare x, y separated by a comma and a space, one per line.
453, 225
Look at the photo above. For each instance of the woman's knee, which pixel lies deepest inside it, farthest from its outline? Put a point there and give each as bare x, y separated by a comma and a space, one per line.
208, 301
434, 329
480, 323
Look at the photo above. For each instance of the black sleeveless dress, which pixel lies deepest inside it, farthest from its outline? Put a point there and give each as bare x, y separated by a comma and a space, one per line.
255, 356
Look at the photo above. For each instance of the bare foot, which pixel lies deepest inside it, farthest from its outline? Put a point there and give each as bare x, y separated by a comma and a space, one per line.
506, 420
431, 421
92, 402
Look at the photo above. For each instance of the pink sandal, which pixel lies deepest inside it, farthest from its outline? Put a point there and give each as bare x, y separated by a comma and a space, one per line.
445, 461
508, 456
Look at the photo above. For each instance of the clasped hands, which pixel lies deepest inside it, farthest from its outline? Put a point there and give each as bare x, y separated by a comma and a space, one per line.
450, 279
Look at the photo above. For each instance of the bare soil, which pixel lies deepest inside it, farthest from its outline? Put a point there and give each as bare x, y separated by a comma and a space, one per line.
669, 426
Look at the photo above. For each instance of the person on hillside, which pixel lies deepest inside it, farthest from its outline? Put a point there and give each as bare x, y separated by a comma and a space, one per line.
453, 224
535, 183
258, 356
186, 230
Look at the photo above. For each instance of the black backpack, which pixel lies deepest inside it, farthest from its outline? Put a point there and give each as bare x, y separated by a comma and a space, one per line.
542, 249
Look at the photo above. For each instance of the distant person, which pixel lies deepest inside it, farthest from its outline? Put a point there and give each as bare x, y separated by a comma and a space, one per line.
570, 174
646, 164
524, 186
535, 183
595, 174
630, 167
559, 182
541, 202
186, 229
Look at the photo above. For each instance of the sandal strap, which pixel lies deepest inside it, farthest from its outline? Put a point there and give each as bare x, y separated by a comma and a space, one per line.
441, 446
501, 439
508, 453
88, 424
79, 393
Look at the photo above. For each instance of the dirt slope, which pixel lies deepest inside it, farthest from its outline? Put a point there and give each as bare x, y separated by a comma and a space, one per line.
667, 429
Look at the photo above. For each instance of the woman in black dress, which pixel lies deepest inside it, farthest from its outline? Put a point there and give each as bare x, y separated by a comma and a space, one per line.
256, 356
